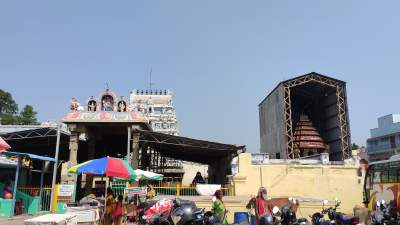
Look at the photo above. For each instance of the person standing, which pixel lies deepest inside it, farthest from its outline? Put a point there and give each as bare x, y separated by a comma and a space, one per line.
218, 209
7, 190
198, 179
110, 205
118, 211
263, 208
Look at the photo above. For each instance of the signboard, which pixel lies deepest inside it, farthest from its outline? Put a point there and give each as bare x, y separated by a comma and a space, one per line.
130, 192
65, 190
65, 195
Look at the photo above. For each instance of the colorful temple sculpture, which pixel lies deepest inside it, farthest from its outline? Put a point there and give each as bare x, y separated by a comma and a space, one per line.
307, 140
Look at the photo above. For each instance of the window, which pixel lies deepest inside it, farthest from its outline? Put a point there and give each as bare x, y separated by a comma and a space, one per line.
393, 176
157, 125
392, 142
158, 110
277, 155
377, 177
385, 176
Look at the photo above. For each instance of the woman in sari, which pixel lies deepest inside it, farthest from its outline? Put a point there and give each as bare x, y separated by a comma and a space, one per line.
218, 209
110, 205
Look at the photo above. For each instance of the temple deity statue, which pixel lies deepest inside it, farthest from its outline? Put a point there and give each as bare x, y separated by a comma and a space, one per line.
121, 106
92, 105
74, 106
107, 103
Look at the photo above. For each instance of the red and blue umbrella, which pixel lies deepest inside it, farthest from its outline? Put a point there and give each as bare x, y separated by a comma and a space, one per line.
3, 145
107, 166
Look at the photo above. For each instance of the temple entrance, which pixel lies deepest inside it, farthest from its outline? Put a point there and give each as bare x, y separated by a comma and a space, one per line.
112, 127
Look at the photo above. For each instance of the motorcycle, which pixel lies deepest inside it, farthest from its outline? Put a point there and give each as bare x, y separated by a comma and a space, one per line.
384, 214
186, 213
180, 212
335, 218
341, 218
271, 219
288, 216
318, 217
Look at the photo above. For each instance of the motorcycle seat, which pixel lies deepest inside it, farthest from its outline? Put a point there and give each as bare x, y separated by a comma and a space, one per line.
302, 220
346, 218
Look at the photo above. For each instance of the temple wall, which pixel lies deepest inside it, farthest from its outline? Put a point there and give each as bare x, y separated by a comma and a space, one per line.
308, 183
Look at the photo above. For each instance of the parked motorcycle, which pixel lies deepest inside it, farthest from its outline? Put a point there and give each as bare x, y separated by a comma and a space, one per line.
341, 218
335, 218
181, 212
271, 219
384, 214
318, 217
186, 213
288, 215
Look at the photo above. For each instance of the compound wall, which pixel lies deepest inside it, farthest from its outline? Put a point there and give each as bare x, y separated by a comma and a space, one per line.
309, 183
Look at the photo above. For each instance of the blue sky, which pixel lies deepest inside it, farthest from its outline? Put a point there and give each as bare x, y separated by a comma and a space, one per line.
221, 58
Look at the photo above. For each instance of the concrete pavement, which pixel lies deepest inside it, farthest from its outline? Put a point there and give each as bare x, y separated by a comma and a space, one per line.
16, 220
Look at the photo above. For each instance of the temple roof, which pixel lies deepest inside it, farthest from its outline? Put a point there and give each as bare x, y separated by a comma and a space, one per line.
104, 116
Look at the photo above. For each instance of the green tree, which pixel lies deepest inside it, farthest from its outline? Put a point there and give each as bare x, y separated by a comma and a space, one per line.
8, 108
354, 146
9, 111
27, 116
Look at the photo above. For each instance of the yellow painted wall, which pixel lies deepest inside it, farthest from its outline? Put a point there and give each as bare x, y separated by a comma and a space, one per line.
309, 183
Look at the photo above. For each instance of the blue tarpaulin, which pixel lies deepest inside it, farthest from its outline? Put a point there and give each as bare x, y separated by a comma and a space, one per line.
29, 155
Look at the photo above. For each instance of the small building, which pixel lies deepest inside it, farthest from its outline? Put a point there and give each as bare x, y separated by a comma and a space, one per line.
385, 139
306, 116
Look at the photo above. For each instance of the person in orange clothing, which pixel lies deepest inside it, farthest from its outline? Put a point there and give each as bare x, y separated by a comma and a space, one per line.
108, 220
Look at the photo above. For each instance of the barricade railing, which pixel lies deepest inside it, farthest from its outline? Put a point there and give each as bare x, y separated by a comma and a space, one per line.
179, 190
176, 190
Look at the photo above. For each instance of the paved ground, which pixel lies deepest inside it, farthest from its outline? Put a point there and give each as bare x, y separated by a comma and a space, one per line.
17, 220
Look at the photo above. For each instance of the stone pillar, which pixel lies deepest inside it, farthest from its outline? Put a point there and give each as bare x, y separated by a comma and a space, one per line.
135, 149
91, 155
128, 145
67, 178
73, 148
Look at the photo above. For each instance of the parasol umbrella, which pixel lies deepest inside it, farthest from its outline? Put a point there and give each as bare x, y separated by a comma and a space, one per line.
147, 175
106, 166
3, 145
